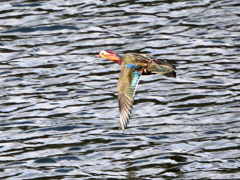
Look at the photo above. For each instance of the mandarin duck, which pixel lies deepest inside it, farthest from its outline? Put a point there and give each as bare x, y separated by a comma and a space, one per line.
132, 67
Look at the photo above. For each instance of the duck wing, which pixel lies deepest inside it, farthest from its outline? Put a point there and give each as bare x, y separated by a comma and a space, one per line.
163, 62
127, 86
155, 66
142, 58
159, 66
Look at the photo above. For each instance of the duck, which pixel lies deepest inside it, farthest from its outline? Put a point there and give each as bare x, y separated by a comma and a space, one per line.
133, 66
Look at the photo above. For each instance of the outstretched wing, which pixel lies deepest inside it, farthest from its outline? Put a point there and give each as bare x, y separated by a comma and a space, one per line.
156, 66
127, 86
163, 62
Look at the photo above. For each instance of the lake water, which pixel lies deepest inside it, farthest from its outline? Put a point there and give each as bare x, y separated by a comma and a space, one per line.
59, 114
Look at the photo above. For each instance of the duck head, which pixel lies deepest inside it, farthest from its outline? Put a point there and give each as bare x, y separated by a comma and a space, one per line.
110, 55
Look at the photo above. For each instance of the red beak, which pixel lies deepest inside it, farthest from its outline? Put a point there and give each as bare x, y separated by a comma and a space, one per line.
98, 55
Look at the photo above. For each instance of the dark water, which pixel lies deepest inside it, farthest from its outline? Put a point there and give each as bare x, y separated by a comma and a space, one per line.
59, 113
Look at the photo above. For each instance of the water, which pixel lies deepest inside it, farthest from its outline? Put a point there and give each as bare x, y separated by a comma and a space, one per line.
59, 114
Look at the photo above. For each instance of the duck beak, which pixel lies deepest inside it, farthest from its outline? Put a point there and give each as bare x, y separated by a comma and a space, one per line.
98, 55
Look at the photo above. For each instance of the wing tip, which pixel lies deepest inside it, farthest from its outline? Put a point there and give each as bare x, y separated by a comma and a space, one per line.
123, 125
171, 74
121, 128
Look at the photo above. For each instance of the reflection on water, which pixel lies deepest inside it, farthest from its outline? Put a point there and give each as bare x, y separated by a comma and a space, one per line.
59, 114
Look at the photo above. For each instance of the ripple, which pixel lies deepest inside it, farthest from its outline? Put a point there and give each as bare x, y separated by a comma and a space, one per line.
43, 28
26, 5
45, 160
59, 110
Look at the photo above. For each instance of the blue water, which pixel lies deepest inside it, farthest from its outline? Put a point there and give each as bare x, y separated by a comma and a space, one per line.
59, 113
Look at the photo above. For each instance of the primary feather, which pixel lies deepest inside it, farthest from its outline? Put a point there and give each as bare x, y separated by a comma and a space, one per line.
127, 86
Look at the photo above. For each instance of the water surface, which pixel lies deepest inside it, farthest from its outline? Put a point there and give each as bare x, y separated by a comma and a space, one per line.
59, 114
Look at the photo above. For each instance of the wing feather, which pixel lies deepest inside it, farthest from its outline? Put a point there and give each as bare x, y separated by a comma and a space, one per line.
127, 86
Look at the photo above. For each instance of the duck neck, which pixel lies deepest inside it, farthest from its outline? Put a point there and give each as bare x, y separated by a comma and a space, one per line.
119, 61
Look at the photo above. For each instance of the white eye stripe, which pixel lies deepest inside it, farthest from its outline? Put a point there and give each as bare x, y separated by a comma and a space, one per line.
104, 52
